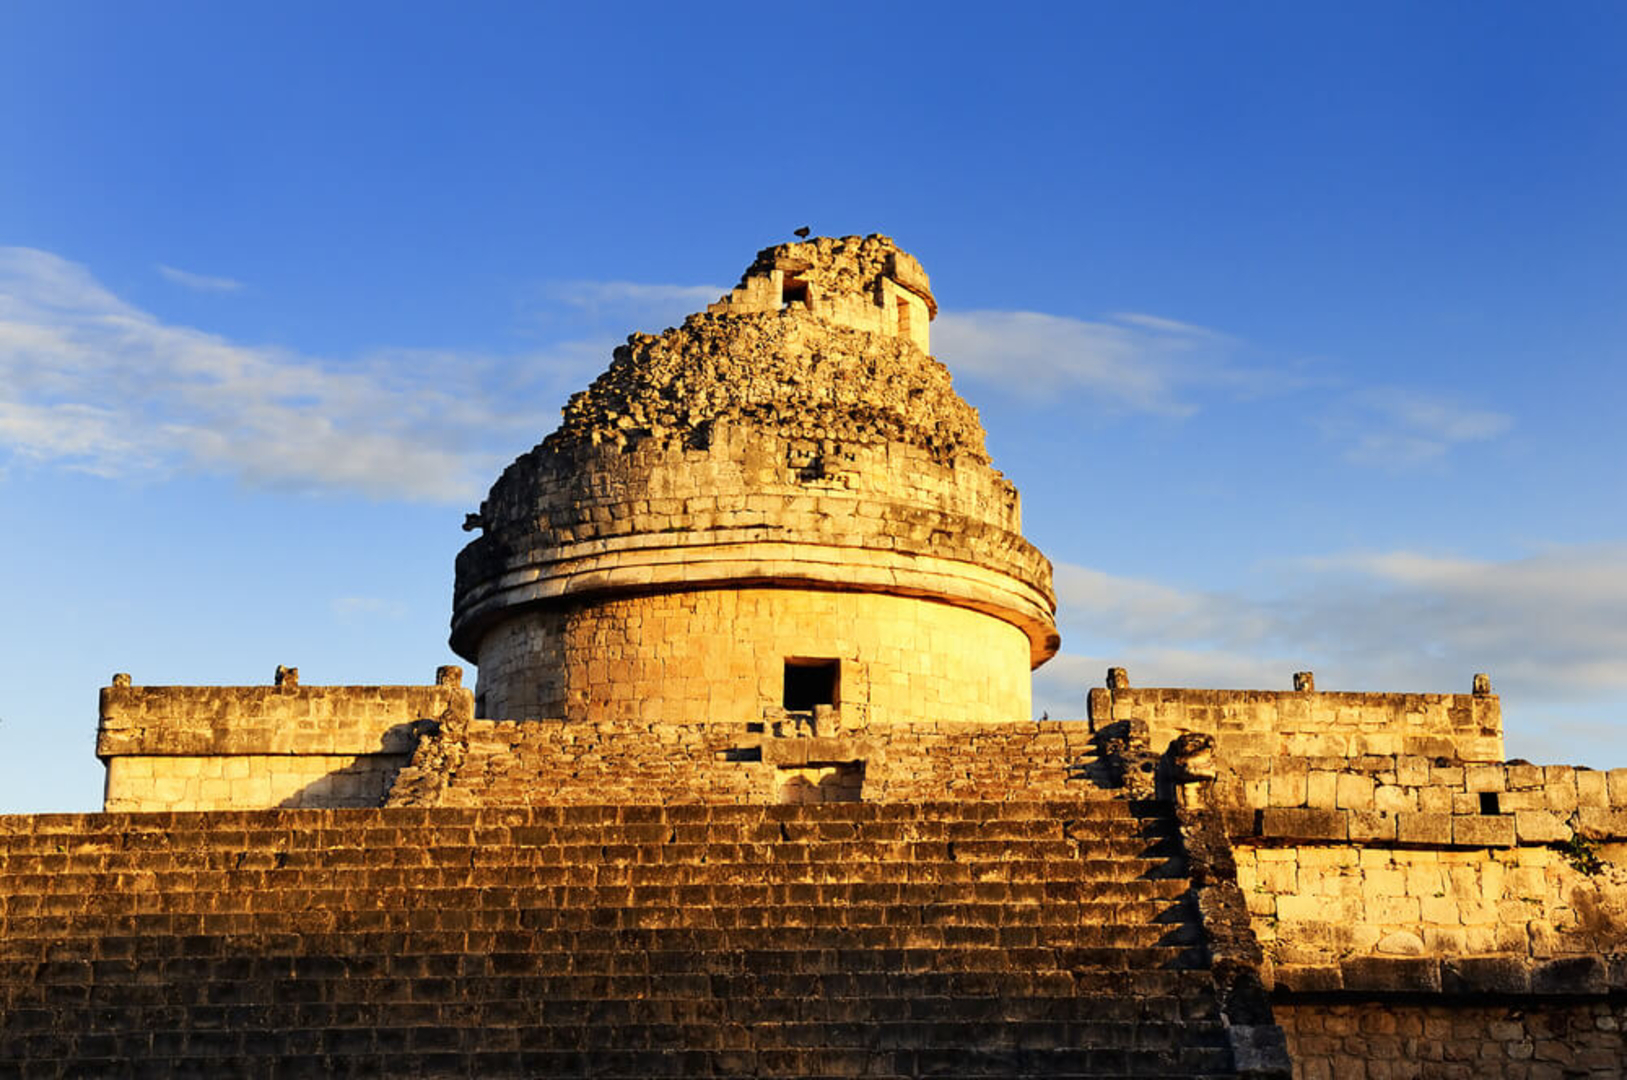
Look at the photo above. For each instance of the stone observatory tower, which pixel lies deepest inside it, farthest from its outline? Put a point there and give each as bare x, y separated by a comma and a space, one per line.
780, 505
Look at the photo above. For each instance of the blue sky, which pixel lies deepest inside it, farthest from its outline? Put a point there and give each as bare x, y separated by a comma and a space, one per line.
1300, 328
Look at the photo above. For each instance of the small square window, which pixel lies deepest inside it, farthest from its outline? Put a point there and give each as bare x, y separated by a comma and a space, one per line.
810, 683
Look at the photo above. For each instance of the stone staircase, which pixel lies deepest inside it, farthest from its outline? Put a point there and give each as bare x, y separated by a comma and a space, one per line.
851, 939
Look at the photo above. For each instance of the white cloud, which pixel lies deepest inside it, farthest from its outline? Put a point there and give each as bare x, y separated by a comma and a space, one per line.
1149, 364
199, 282
93, 383
1127, 362
353, 608
1400, 429
631, 303
1550, 628
1124, 364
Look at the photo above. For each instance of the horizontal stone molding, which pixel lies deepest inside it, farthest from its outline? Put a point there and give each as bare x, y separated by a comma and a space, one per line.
693, 565
1471, 976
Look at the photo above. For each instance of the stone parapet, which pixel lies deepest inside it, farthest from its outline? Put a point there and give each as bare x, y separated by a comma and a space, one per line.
493, 763
1260, 727
222, 747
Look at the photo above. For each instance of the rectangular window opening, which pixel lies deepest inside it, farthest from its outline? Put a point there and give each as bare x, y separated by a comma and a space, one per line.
1488, 803
903, 317
794, 291
810, 683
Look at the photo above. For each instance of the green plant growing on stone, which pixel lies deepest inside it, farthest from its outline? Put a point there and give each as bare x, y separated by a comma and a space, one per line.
1582, 855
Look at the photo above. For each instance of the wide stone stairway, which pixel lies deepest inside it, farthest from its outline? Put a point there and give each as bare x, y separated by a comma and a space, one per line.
851, 939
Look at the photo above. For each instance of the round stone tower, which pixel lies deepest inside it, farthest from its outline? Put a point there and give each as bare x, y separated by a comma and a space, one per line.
781, 504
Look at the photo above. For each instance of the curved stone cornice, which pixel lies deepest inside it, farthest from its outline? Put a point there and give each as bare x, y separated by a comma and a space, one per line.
596, 570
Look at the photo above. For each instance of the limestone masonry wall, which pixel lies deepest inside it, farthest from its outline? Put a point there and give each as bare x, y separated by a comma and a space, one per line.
1495, 877
1391, 1040
862, 282
250, 747
555, 762
719, 654
798, 436
1285, 748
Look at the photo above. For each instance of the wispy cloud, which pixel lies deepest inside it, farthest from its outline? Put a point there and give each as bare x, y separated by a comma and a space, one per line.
1128, 361
1152, 365
1550, 627
1399, 429
92, 383
355, 608
632, 304
1128, 364
199, 282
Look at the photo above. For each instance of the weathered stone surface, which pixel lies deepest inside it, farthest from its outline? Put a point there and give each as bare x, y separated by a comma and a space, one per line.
860, 940
796, 440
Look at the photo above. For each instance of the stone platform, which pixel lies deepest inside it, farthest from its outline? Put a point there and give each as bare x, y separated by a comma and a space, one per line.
857, 939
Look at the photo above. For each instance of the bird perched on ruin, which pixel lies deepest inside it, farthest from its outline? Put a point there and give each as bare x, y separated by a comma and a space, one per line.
802, 233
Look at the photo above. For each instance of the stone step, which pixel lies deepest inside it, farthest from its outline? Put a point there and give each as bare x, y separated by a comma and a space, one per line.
490, 910
130, 948
1097, 804
1017, 880
886, 838
722, 882
851, 955
19, 857
831, 875
389, 828
493, 909
807, 1064
379, 1027
1143, 994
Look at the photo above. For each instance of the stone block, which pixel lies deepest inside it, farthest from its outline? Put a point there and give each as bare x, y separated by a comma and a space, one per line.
1422, 828
1592, 789
1616, 782
1371, 827
1303, 824
1395, 974
1287, 788
1308, 978
1465, 802
1520, 777
1570, 975
1394, 798
1483, 830
1540, 827
1435, 800
1486, 975
1596, 824
1559, 787
1411, 770
1321, 788
1354, 792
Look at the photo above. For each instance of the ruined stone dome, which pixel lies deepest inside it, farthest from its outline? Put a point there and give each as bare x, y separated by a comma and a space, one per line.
797, 433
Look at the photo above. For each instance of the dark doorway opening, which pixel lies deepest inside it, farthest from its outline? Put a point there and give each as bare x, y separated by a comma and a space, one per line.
809, 683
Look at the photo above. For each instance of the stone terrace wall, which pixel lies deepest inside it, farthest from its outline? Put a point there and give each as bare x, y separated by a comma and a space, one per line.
554, 762
250, 747
1491, 879
1285, 748
1511, 1041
